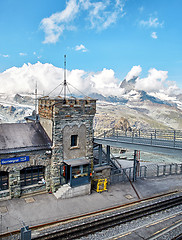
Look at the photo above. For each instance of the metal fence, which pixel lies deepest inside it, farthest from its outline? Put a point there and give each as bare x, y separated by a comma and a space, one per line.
126, 174
153, 134
152, 170
170, 169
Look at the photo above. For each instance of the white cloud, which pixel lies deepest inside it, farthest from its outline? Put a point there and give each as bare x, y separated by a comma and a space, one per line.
81, 47
172, 88
5, 55
134, 72
58, 22
100, 15
23, 79
111, 19
22, 54
103, 14
18, 80
154, 35
153, 82
152, 22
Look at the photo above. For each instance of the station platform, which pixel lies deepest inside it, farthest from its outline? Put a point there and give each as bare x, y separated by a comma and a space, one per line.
44, 208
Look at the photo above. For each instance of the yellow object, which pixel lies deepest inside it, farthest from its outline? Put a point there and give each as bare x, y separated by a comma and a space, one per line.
101, 185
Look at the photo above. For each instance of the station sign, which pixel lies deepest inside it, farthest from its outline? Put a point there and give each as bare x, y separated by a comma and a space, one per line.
14, 160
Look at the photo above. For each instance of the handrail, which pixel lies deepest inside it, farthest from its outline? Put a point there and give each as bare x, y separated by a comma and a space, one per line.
116, 160
153, 134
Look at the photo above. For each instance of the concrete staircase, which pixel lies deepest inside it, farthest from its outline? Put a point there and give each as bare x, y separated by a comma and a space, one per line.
62, 191
66, 191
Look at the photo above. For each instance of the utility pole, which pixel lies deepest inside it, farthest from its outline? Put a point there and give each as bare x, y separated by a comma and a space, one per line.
134, 166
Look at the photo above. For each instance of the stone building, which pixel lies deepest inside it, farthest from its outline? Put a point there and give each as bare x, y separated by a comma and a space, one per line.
54, 153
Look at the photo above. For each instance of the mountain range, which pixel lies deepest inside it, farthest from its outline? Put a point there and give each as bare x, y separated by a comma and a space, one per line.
139, 108
142, 109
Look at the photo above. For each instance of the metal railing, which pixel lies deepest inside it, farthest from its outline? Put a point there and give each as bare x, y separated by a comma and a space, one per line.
115, 161
152, 134
126, 174
150, 171
169, 169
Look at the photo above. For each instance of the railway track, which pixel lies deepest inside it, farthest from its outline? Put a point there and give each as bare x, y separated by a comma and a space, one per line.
83, 225
83, 229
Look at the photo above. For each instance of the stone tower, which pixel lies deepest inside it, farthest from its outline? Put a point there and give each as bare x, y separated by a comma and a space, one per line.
69, 125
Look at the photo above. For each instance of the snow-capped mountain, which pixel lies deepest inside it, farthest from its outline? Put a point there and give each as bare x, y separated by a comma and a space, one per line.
13, 108
140, 108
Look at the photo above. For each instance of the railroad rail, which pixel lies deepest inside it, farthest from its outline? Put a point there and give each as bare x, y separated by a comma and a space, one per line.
85, 224
83, 229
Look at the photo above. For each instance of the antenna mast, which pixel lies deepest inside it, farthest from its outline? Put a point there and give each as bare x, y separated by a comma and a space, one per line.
65, 84
36, 101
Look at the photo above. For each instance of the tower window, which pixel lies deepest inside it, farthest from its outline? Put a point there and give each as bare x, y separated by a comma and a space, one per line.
74, 140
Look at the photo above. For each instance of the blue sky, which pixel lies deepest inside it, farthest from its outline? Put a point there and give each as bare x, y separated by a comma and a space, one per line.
94, 35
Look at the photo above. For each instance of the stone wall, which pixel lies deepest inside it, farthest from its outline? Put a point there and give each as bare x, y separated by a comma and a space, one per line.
68, 117
36, 158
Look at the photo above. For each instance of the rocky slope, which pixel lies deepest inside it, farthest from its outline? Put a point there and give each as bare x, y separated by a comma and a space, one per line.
139, 108
136, 109
14, 108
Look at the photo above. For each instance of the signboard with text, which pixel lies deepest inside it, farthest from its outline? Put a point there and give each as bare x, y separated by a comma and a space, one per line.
14, 160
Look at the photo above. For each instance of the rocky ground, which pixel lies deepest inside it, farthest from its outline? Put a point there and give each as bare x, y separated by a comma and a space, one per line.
147, 115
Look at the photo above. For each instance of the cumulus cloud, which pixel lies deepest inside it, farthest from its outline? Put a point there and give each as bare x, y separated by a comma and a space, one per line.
101, 14
81, 47
134, 72
48, 77
152, 22
23, 79
18, 80
154, 35
153, 82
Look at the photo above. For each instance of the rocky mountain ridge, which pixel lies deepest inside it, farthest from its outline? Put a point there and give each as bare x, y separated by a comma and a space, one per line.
139, 108
134, 109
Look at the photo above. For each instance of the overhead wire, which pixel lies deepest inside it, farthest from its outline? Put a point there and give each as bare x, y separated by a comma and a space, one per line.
77, 90
71, 94
61, 91
55, 88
